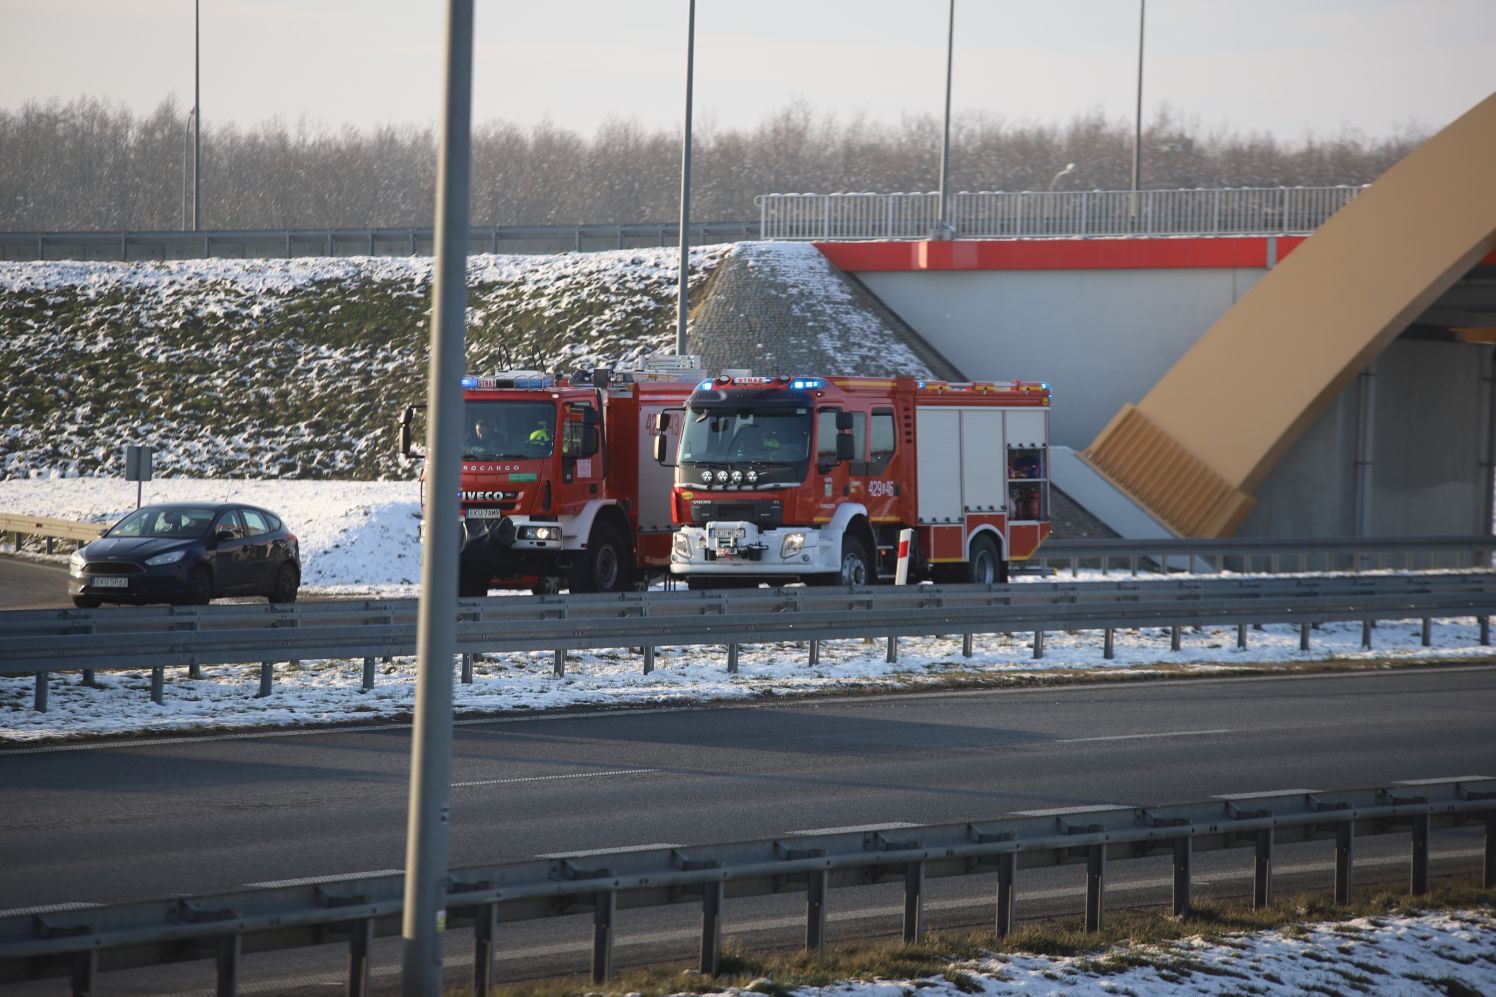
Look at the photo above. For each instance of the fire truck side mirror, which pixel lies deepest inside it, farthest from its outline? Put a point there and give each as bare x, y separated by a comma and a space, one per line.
406, 450
589, 441
661, 421
845, 446
659, 449
843, 421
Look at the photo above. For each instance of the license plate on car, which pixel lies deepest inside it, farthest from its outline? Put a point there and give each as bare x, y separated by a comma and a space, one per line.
110, 582
485, 514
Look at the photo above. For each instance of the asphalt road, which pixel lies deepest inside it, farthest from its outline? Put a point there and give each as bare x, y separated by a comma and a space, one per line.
27, 584
129, 820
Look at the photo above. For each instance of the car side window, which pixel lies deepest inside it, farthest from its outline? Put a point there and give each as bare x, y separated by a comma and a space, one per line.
231, 522
254, 523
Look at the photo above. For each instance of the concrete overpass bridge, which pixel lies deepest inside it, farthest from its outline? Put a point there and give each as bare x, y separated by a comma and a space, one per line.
1265, 385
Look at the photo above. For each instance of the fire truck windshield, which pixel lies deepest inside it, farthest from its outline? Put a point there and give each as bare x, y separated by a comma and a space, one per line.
512, 430
718, 434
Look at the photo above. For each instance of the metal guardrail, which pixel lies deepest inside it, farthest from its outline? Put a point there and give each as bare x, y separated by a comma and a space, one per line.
1272, 554
1051, 214
288, 243
81, 943
36, 642
48, 527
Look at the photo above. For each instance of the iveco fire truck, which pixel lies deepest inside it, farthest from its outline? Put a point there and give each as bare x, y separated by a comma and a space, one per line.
782, 478
559, 484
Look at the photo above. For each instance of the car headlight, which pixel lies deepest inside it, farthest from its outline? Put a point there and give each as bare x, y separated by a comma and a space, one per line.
171, 558
77, 560
681, 544
547, 533
793, 543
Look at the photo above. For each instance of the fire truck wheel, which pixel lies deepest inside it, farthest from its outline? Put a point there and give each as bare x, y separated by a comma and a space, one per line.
855, 569
985, 567
606, 565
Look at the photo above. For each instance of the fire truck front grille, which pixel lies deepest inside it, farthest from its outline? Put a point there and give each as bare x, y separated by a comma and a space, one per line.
764, 515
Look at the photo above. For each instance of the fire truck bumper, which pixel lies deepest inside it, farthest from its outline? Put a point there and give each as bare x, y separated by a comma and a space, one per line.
741, 548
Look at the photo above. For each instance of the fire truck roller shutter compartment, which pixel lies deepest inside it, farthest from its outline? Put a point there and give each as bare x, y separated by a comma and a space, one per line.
982, 461
938, 436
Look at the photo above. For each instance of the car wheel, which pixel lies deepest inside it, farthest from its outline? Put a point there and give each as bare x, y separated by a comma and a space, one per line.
287, 581
200, 586
606, 565
87, 601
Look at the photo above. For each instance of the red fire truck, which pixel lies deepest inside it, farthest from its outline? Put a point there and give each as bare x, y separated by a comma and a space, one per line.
780, 478
559, 485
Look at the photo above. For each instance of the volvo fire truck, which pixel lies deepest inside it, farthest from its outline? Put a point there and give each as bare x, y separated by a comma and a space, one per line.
813, 478
559, 485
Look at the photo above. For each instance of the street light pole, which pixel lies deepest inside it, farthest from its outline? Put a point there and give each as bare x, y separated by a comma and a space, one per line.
186, 135
197, 117
1069, 169
1137, 134
427, 823
943, 227
685, 189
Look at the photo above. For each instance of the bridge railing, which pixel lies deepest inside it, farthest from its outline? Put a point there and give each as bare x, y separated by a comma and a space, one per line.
1051, 214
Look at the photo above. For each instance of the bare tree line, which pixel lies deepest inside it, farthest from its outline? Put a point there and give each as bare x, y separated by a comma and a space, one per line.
92, 165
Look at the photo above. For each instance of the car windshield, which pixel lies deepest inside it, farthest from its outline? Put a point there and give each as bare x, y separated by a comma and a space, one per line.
176, 522
513, 430
723, 434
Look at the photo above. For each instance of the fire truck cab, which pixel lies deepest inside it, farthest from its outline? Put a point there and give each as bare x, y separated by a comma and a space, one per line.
784, 478
559, 488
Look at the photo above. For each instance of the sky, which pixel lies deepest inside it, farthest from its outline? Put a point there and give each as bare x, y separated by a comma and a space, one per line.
1289, 67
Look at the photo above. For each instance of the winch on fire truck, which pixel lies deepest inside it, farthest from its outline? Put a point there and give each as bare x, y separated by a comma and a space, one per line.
781, 478
558, 486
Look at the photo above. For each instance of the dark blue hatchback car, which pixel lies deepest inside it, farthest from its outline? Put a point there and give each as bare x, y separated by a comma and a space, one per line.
188, 553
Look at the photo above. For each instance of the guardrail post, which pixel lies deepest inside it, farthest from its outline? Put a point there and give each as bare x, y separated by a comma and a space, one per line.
1485, 631
194, 671
267, 679
1428, 631
1241, 636
817, 884
368, 683
711, 927
1262, 870
732, 659
967, 641
1038, 644
467, 668
1419, 872
85, 972
815, 654
1366, 635
485, 938
1345, 836
229, 950
1488, 873
360, 942
1174, 637
1184, 849
559, 668
649, 658
1095, 886
89, 680
158, 683
602, 936
1109, 644
1007, 867
893, 650
914, 902
39, 701
1303, 636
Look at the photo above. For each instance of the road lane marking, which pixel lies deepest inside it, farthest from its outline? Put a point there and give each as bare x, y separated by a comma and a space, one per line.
890, 826
621, 850
1139, 737
48, 909
342, 877
547, 778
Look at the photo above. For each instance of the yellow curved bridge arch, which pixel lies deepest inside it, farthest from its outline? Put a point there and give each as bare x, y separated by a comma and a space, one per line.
1202, 440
